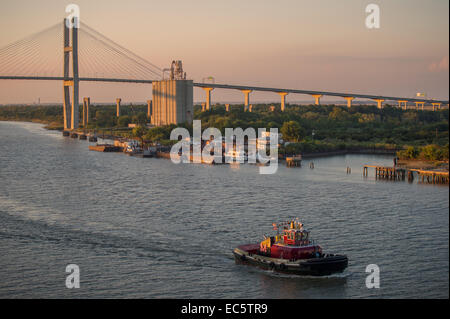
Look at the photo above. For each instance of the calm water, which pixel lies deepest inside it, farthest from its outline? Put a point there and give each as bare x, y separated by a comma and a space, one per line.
147, 228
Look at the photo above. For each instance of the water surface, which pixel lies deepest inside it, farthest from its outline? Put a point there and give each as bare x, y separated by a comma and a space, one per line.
147, 228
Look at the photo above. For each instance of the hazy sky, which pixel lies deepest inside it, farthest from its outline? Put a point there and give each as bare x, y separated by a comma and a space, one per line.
316, 45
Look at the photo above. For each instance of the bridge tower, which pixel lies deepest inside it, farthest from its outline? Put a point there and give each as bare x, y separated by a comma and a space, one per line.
71, 110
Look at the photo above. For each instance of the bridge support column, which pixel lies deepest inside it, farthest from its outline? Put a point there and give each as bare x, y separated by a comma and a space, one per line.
247, 99
421, 103
400, 102
317, 97
436, 105
250, 108
227, 107
379, 103
76, 82
86, 102
203, 107
283, 100
149, 109
349, 100
208, 97
71, 112
118, 100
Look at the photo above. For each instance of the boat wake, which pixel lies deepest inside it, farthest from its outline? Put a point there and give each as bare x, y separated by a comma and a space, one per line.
343, 275
340, 276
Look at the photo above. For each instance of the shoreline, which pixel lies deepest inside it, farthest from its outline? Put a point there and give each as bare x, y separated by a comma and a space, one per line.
362, 151
312, 155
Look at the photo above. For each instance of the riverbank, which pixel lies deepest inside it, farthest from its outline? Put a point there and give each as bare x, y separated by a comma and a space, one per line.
121, 133
425, 165
345, 152
49, 125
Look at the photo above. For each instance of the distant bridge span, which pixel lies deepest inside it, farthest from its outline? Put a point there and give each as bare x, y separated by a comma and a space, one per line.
234, 87
315, 93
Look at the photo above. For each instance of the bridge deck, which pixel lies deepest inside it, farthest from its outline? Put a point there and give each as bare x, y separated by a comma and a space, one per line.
233, 87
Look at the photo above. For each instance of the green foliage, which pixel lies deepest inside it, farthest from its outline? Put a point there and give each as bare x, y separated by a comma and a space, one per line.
411, 152
124, 120
292, 131
104, 119
140, 118
431, 152
139, 131
159, 133
335, 127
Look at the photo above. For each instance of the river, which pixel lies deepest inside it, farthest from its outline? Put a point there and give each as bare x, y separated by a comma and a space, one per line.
148, 228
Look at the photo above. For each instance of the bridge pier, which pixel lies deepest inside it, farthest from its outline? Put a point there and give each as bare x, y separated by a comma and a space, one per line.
227, 107
250, 108
247, 99
86, 103
317, 97
349, 100
379, 103
436, 105
118, 100
283, 100
404, 104
417, 105
208, 97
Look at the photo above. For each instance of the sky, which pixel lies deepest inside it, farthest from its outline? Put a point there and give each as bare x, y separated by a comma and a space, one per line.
319, 45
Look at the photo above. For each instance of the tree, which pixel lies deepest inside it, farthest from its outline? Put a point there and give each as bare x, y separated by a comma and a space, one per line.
431, 152
410, 153
123, 121
140, 119
104, 119
292, 131
140, 132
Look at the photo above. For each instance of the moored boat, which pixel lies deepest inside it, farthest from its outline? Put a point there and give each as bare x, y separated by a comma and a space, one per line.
291, 252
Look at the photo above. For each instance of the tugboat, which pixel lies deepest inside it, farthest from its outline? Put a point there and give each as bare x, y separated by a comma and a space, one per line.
291, 252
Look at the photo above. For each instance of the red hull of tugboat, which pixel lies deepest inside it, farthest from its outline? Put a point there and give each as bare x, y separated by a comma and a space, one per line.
295, 260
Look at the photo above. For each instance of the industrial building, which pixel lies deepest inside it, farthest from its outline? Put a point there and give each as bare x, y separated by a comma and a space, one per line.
173, 99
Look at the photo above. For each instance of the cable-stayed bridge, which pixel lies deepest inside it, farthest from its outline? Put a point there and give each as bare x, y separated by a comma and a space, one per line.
71, 55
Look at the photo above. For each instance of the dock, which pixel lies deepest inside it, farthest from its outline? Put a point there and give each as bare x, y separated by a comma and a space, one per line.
432, 177
398, 173
294, 161
386, 172
105, 148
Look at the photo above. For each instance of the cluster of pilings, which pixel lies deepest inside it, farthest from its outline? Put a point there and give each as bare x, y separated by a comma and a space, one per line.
433, 177
294, 161
395, 173
386, 172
